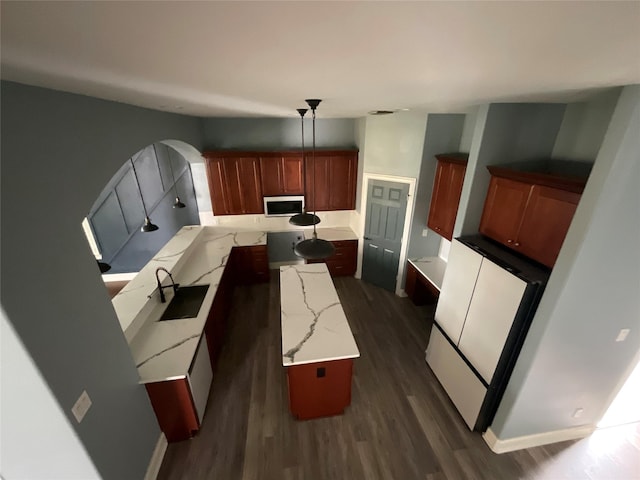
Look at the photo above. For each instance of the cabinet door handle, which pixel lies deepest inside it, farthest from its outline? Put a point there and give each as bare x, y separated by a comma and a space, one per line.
517, 244
509, 241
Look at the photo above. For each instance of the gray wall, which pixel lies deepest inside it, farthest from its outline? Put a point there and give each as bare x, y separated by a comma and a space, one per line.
504, 133
277, 133
117, 214
58, 152
443, 135
570, 358
584, 126
39, 444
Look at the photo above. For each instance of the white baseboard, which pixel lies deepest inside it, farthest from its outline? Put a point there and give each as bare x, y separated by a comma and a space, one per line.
536, 440
156, 459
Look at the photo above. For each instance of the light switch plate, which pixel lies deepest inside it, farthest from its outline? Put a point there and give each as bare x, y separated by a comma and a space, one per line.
425, 232
81, 406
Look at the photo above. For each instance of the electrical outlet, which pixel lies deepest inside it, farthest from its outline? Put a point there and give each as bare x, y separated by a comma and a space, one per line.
578, 412
425, 232
81, 407
622, 335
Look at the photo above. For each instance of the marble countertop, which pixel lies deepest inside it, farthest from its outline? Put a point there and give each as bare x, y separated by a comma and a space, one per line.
195, 256
332, 234
432, 268
314, 326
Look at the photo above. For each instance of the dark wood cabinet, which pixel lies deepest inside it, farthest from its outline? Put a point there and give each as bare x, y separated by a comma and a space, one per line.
281, 175
447, 188
344, 261
238, 180
334, 187
530, 212
420, 290
252, 264
234, 184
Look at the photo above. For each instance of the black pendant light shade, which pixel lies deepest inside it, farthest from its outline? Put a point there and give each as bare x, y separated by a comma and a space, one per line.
177, 203
304, 219
314, 248
148, 226
104, 267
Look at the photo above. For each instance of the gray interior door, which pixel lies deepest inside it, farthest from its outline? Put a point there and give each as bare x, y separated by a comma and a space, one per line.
384, 223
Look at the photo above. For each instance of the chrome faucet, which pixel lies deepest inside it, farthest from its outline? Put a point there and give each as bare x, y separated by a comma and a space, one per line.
161, 288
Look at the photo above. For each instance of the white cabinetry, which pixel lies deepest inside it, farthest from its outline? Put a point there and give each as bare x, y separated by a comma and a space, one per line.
200, 377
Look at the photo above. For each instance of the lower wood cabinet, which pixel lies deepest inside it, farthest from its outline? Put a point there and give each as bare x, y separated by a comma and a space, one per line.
420, 290
252, 264
179, 404
344, 261
319, 389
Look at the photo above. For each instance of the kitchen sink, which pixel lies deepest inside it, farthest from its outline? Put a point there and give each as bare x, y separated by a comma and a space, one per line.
186, 303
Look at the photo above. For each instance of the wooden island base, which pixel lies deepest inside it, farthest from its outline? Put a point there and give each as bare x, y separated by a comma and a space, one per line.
319, 389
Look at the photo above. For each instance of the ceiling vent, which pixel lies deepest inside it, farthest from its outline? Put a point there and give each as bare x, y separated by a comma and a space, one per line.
381, 112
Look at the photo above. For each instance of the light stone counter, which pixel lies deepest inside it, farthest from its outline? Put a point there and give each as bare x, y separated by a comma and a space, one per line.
164, 350
432, 268
314, 326
332, 234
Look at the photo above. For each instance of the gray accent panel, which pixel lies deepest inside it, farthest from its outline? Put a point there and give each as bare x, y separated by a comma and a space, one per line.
130, 203
148, 176
109, 226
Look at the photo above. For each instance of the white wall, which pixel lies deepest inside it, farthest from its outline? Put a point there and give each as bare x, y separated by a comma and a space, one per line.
36, 440
394, 143
570, 358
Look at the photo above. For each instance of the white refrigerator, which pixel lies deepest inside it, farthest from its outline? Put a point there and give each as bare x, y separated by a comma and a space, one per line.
486, 304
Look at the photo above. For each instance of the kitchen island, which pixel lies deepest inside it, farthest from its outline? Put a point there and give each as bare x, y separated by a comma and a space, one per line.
176, 358
318, 347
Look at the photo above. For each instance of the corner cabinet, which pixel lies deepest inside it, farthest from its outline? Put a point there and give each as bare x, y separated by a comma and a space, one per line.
447, 188
234, 183
530, 212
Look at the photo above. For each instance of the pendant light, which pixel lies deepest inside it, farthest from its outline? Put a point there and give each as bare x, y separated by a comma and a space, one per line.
314, 248
104, 267
304, 219
148, 226
177, 203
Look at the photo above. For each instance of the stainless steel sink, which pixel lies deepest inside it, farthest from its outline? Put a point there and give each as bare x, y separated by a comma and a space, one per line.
186, 303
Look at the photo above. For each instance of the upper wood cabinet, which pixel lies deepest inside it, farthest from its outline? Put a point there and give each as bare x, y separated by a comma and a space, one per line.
238, 180
447, 188
530, 212
281, 175
234, 184
334, 187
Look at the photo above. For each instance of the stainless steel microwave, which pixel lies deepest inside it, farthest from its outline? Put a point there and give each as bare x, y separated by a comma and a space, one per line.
285, 206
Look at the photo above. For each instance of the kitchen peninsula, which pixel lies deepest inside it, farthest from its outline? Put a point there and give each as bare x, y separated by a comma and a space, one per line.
176, 358
318, 347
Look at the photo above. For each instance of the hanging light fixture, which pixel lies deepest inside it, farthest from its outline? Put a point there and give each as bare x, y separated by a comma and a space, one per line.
314, 248
304, 219
148, 226
177, 203
104, 267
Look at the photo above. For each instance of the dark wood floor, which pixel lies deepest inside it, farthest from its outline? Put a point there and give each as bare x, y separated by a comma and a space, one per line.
400, 424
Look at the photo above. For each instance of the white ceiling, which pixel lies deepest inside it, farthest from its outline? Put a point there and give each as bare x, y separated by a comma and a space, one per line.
264, 58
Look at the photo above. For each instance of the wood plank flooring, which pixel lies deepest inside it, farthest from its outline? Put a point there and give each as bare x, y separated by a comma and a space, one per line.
400, 425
